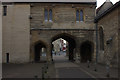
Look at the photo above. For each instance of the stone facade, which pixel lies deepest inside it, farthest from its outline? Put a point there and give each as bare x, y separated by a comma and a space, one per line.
28, 32
109, 24
0, 40
16, 33
56, 45
0, 32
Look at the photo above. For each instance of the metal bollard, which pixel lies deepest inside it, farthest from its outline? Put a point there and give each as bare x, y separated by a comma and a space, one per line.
36, 77
88, 63
108, 70
43, 73
46, 65
95, 67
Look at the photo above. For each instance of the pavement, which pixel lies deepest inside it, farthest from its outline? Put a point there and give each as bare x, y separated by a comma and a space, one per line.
29, 70
101, 70
62, 68
67, 69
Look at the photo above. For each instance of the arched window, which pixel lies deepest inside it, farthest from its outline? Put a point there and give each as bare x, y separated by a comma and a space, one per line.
50, 15
46, 15
77, 15
101, 38
81, 15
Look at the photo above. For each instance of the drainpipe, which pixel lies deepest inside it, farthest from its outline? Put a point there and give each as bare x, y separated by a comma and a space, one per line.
96, 47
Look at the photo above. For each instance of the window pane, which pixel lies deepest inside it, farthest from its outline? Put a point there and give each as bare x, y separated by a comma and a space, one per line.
81, 15
77, 15
50, 15
46, 15
4, 10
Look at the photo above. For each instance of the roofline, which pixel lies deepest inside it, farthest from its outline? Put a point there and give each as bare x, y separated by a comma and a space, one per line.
94, 3
97, 18
48, 1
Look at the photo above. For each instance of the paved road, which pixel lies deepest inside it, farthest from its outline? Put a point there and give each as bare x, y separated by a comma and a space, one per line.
66, 69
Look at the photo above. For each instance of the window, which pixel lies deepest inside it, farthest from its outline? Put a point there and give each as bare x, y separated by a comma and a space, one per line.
4, 10
101, 37
48, 15
79, 15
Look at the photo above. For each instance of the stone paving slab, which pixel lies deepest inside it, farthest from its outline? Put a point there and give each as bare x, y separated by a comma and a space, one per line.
29, 70
72, 73
101, 70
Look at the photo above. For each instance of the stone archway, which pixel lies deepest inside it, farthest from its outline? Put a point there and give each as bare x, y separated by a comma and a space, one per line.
86, 51
38, 51
71, 43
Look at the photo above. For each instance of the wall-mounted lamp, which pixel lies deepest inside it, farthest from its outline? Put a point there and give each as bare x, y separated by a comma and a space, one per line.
109, 41
86, 16
31, 5
30, 17
73, 6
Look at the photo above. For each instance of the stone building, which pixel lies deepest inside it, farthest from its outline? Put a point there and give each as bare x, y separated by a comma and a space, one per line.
107, 23
56, 45
30, 25
0, 32
0, 40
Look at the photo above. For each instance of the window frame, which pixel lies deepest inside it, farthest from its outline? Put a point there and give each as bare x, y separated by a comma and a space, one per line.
50, 17
77, 15
46, 15
4, 10
81, 15
79, 9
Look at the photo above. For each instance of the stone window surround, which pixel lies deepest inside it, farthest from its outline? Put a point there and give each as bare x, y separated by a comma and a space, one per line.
48, 15
79, 9
5, 10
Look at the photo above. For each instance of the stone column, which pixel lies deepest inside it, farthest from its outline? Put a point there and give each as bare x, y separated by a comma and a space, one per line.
49, 56
32, 53
77, 53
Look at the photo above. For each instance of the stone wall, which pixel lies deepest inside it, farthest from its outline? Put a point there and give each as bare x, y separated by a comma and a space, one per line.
64, 22
16, 33
46, 36
109, 23
64, 16
0, 40
119, 37
23, 17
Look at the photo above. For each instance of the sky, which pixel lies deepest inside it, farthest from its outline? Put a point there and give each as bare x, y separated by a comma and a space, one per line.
100, 2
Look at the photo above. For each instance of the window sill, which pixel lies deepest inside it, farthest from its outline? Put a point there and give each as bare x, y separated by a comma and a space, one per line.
79, 21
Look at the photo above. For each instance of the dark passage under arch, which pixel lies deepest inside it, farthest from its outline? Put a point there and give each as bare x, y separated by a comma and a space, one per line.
86, 50
38, 48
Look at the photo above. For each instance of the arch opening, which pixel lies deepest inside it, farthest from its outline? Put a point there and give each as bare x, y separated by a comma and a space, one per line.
86, 51
40, 52
69, 44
